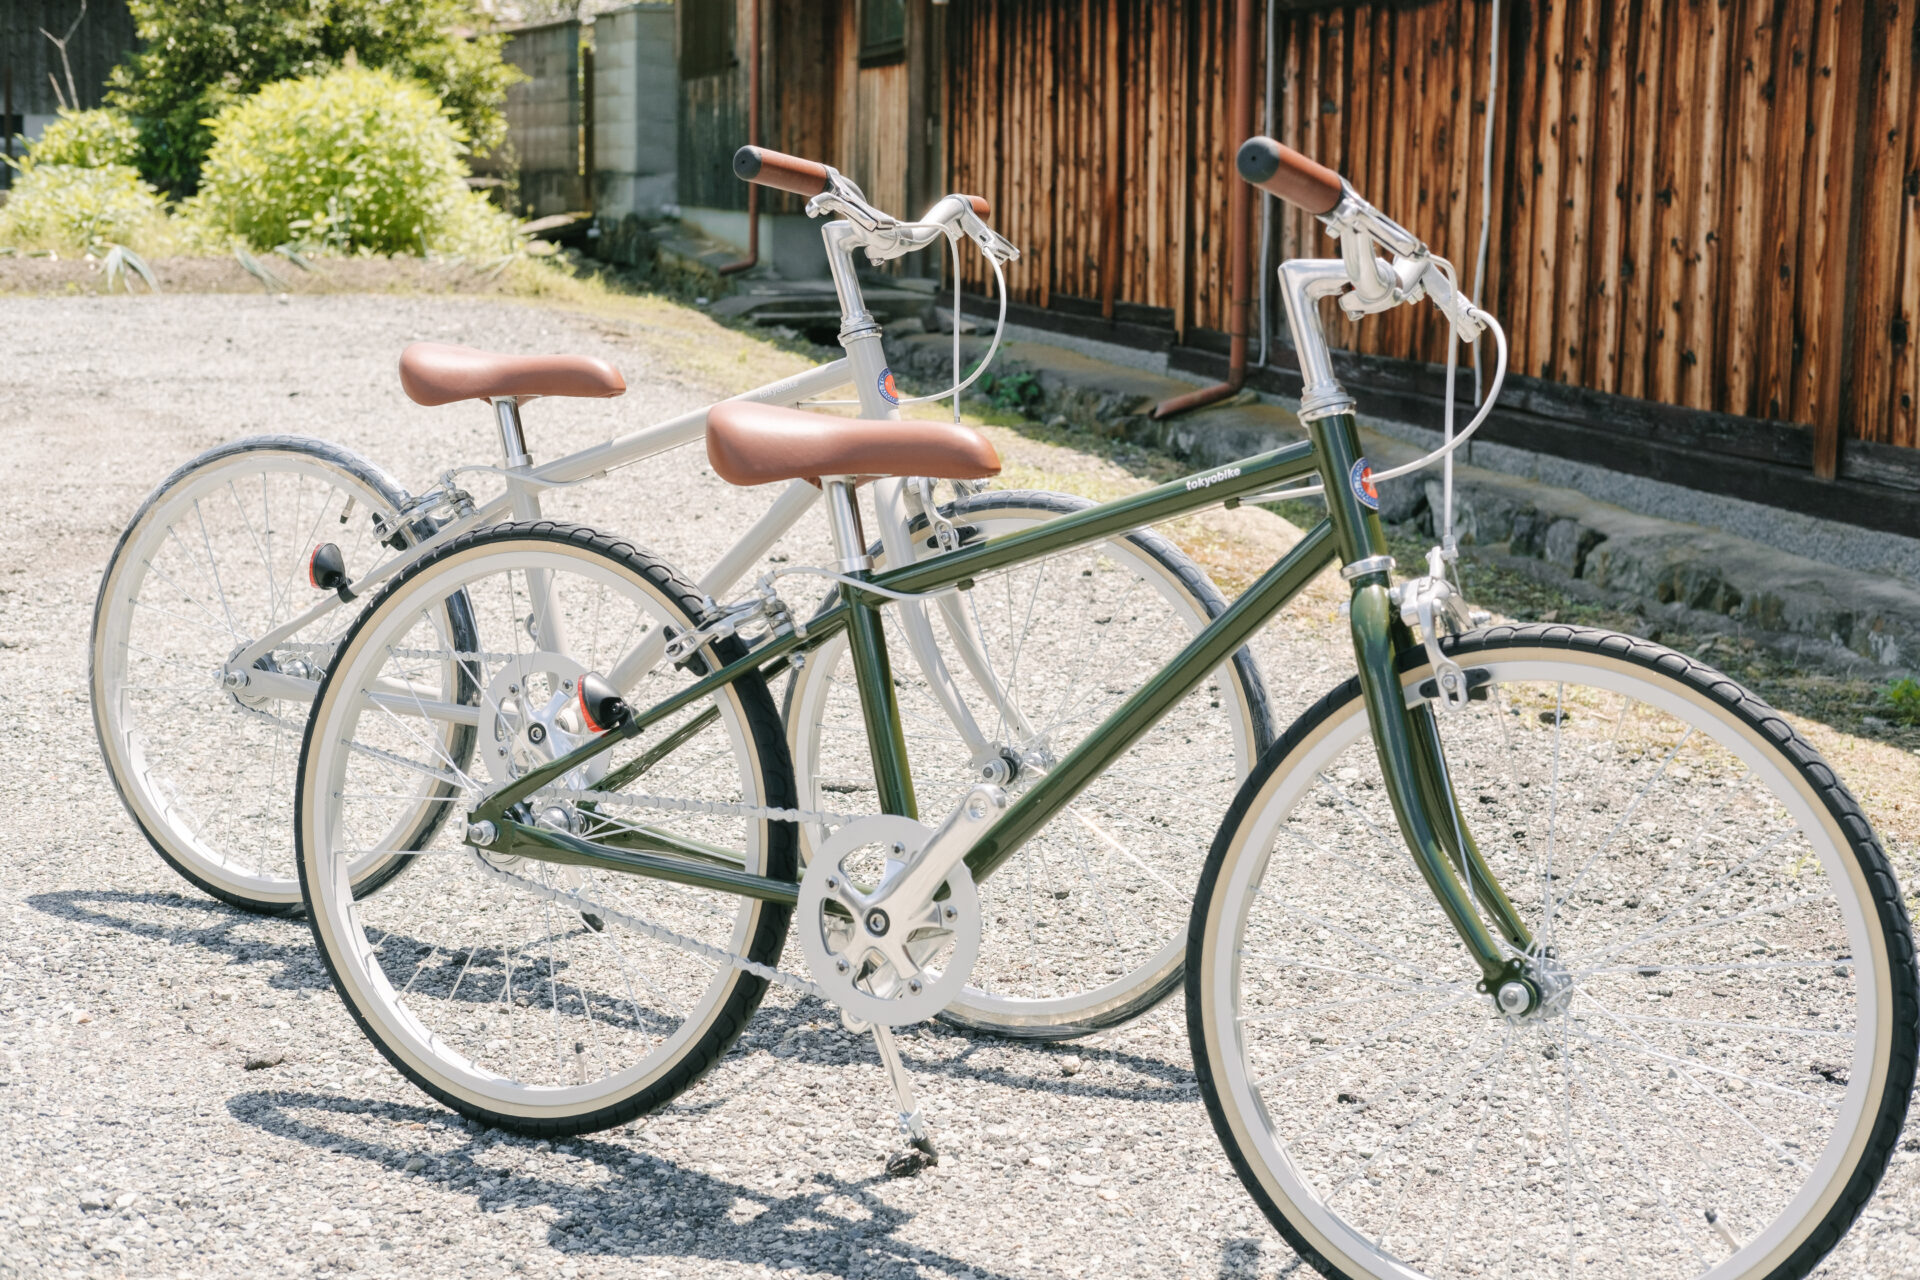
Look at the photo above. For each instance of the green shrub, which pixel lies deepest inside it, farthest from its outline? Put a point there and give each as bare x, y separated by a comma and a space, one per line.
68, 207
1902, 697
356, 159
199, 56
87, 139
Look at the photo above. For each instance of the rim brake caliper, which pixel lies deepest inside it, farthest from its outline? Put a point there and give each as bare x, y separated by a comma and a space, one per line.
1431, 607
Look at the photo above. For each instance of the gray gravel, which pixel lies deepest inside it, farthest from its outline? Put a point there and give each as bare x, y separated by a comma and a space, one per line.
181, 1093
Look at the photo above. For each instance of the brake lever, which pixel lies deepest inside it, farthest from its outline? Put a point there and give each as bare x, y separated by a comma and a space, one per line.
1460, 313
991, 242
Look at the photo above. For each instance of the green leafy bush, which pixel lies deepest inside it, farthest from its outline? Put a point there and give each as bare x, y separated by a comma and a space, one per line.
79, 209
357, 159
87, 139
1902, 697
199, 56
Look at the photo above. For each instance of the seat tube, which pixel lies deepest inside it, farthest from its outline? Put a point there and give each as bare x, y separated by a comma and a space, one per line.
549, 634
873, 674
1327, 411
873, 383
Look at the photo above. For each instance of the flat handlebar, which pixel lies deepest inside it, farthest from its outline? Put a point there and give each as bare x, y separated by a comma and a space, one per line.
1278, 169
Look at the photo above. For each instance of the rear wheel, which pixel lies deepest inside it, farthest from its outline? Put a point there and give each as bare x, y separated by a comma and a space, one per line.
529, 994
1720, 1070
214, 559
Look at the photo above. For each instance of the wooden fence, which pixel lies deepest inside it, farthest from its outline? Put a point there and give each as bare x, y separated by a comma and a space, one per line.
1710, 203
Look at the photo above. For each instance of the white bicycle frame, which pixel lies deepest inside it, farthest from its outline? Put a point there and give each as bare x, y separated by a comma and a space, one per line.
864, 365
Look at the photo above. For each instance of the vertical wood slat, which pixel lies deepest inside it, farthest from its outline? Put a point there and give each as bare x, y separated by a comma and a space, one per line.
1885, 93
1828, 195
1610, 209
1779, 339
1699, 367
1904, 396
1744, 239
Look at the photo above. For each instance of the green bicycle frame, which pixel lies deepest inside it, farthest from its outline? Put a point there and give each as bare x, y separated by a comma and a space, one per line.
1406, 739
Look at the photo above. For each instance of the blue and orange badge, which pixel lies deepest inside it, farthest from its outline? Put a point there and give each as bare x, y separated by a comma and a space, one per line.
887, 389
1360, 480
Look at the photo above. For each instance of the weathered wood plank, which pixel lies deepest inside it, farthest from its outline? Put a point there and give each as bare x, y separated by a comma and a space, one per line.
1678, 144
1700, 383
1744, 243
1904, 396
1886, 69
1572, 283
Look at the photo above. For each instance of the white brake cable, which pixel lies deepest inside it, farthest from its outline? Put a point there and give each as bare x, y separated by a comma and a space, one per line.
852, 581
1452, 442
1486, 182
999, 332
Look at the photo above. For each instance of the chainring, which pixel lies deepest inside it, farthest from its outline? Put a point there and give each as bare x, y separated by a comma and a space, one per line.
885, 977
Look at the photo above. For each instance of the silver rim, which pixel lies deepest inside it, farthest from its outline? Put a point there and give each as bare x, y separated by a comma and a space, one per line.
485, 976
1692, 1104
217, 561
1091, 916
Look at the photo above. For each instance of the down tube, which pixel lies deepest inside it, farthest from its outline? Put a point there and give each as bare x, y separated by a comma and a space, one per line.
1153, 700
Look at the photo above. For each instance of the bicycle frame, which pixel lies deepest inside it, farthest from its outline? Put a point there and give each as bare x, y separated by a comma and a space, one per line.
1405, 733
864, 365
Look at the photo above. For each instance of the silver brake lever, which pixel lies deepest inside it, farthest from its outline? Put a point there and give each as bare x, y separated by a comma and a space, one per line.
991, 242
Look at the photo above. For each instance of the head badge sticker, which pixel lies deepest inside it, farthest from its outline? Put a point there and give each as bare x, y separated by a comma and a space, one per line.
887, 389
1360, 480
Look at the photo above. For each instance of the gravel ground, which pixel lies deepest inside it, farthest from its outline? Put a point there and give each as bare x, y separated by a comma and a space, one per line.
181, 1093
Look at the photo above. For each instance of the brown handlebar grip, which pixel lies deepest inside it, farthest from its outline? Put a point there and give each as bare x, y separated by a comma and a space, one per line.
981, 208
777, 169
1277, 168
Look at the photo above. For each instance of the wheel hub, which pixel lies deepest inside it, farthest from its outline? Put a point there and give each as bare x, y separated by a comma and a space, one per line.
526, 718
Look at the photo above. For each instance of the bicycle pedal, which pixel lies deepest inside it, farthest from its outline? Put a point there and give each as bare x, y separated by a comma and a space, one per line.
918, 1155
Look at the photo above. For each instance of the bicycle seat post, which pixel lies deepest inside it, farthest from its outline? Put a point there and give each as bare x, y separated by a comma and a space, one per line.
513, 447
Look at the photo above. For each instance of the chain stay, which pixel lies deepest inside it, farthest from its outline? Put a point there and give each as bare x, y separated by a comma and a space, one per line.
659, 933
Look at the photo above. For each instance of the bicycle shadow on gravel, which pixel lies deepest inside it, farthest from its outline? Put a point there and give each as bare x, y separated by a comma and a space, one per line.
622, 1199
221, 931
810, 1031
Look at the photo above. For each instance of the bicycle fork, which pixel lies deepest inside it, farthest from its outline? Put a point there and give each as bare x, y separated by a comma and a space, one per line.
1407, 738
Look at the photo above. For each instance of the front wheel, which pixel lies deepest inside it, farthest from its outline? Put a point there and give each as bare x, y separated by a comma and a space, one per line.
1720, 1071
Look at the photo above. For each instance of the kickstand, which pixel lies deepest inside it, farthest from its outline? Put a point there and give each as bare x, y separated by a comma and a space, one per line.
919, 1153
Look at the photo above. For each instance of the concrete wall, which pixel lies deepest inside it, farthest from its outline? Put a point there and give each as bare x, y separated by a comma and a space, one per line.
543, 120
636, 96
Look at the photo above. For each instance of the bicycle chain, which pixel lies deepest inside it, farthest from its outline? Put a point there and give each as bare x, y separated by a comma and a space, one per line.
658, 932
672, 804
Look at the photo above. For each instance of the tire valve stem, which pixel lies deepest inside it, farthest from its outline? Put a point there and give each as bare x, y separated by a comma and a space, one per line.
1721, 1229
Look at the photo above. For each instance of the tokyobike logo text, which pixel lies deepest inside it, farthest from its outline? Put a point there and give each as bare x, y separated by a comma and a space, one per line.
1202, 482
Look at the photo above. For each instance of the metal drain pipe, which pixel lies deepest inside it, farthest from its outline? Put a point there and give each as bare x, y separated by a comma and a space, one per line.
753, 139
1239, 202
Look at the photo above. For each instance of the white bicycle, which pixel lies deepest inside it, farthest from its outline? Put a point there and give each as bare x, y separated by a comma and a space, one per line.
235, 580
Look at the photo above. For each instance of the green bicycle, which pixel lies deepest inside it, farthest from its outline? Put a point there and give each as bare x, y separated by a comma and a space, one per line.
1532, 949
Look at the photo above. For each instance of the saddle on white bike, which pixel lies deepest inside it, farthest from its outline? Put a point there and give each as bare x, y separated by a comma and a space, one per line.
435, 373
